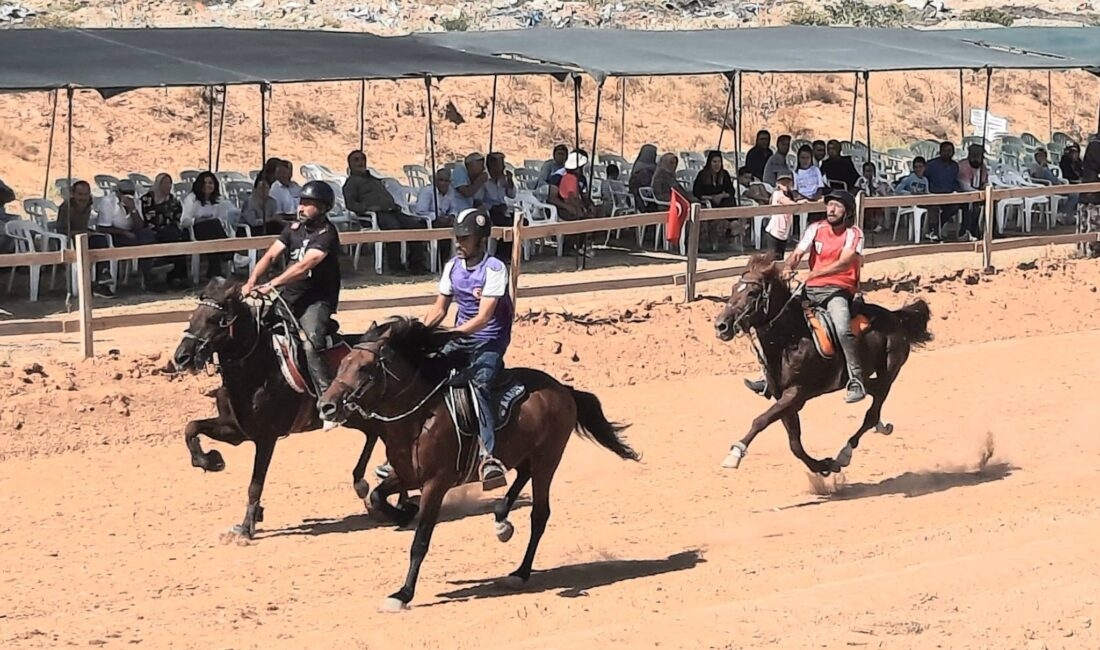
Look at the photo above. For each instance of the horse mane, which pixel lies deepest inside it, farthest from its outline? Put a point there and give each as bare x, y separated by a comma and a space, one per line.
419, 343
221, 290
763, 264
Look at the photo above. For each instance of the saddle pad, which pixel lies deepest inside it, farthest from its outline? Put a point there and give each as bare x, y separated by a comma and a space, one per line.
823, 335
295, 371
506, 396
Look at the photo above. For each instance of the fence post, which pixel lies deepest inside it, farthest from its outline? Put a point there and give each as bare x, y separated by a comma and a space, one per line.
517, 257
692, 252
84, 270
987, 234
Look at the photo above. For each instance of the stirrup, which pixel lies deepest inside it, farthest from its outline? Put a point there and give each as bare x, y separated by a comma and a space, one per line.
856, 391
758, 386
491, 480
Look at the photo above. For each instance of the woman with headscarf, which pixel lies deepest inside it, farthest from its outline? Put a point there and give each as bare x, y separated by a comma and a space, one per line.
162, 211
641, 174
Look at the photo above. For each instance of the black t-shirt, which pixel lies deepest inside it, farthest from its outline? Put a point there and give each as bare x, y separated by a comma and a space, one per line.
323, 282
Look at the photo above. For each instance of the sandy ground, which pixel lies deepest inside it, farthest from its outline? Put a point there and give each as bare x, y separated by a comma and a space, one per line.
972, 526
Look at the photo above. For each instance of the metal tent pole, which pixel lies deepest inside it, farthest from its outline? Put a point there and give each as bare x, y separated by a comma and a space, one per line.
209, 127
263, 124
577, 111
493, 117
725, 112
1050, 108
69, 154
595, 135
962, 110
867, 109
622, 119
362, 113
985, 122
49, 150
221, 129
738, 115
855, 108
431, 140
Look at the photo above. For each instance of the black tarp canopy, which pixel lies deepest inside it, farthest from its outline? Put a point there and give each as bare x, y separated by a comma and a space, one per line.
114, 60
795, 49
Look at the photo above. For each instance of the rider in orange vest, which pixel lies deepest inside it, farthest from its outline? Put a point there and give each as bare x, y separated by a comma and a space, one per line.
835, 247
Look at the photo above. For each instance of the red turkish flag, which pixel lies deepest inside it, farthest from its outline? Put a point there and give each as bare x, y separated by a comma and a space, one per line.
678, 210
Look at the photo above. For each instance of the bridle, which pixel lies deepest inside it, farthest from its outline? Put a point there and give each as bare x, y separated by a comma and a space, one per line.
224, 323
765, 295
351, 399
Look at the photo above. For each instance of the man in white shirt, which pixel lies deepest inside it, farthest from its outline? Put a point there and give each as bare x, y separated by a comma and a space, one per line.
285, 191
120, 218
441, 194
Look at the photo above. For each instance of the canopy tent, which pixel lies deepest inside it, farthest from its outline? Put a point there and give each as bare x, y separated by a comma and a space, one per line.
1078, 43
115, 60
606, 53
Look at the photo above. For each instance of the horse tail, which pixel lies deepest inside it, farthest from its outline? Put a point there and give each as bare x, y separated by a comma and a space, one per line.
914, 319
593, 425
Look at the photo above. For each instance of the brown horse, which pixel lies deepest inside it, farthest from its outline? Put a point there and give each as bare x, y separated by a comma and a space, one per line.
796, 372
255, 403
397, 377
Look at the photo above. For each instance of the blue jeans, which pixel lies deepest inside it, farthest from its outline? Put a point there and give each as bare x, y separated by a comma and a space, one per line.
486, 363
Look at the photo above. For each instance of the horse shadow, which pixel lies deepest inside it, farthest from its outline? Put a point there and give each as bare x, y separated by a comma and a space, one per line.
362, 521
575, 580
909, 484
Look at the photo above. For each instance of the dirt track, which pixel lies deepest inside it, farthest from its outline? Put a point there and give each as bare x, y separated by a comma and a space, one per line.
971, 527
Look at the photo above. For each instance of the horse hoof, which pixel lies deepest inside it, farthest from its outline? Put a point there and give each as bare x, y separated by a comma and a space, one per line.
512, 582
844, 458
211, 461
504, 530
405, 513
885, 428
362, 489
238, 535
733, 459
393, 605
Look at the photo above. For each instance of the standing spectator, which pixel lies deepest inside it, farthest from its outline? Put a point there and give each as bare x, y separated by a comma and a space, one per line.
809, 182
778, 230
943, 178
74, 217
757, 157
162, 212
777, 162
206, 213
973, 177
363, 193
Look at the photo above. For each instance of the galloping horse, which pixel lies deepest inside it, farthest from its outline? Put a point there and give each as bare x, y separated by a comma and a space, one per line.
397, 376
255, 402
796, 372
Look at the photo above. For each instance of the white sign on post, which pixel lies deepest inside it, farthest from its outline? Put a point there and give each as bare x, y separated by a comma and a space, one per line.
997, 126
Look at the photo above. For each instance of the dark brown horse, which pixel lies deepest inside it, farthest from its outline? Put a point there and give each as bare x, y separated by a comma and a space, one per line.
397, 377
255, 402
796, 372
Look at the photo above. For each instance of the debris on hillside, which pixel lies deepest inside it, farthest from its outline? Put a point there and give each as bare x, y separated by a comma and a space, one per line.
15, 14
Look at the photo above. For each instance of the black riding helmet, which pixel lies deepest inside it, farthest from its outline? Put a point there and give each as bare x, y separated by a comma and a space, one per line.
320, 192
472, 221
846, 199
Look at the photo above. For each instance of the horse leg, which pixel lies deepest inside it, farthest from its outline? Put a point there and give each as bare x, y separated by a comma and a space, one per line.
542, 467
878, 391
431, 499
504, 528
362, 488
215, 429
793, 425
255, 512
791, 398
404, 512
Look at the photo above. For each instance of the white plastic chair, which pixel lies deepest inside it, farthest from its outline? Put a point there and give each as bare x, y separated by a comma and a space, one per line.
648, 198
39, 210
29, 237
538, 212
417, 175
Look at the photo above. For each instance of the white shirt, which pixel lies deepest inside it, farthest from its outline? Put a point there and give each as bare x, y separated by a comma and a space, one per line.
496, 281
284, 197
425, 206
112, 214
194, 211
808, 181
779, 225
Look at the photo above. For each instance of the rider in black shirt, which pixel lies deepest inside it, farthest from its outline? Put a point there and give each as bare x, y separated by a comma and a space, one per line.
310, 285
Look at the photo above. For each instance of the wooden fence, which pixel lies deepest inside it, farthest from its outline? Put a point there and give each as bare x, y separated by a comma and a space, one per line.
85, 258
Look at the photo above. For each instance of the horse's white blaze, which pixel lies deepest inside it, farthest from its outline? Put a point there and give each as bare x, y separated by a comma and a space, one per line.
845, 456
504, 530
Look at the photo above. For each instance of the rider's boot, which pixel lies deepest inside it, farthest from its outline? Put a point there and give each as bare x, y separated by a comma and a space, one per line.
759, 386
318, 370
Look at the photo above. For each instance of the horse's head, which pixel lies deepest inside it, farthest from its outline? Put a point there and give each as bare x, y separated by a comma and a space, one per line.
212, 324
754, 299
381, 365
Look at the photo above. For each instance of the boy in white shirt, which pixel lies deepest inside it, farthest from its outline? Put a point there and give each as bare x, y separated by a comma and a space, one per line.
778, 230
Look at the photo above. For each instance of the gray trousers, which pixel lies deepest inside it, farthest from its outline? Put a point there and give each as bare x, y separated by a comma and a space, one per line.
314, 322
837, 303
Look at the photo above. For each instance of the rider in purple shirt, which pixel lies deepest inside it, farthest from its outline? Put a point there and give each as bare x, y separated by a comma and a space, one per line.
478, 282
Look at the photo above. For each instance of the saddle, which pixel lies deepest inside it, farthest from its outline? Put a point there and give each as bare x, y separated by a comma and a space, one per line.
290, 350
506, 393
823, 331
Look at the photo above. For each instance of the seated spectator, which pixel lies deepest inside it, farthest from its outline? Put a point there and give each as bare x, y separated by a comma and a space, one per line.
206, 213
839, 168
120, 218
664, 180
1090, 173
915, 182
568, 189
467, 179
261, 212
6, 196
363, 194
821, 150
757, 157
777, 162
973, 177
551, 167
1070, 164
713, 183
162, 212
809, 182
74, 217
285, 191
943, 178
641, 174
611, 190
869, 183
498, 188
436, 203
750, 191
1041, 171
